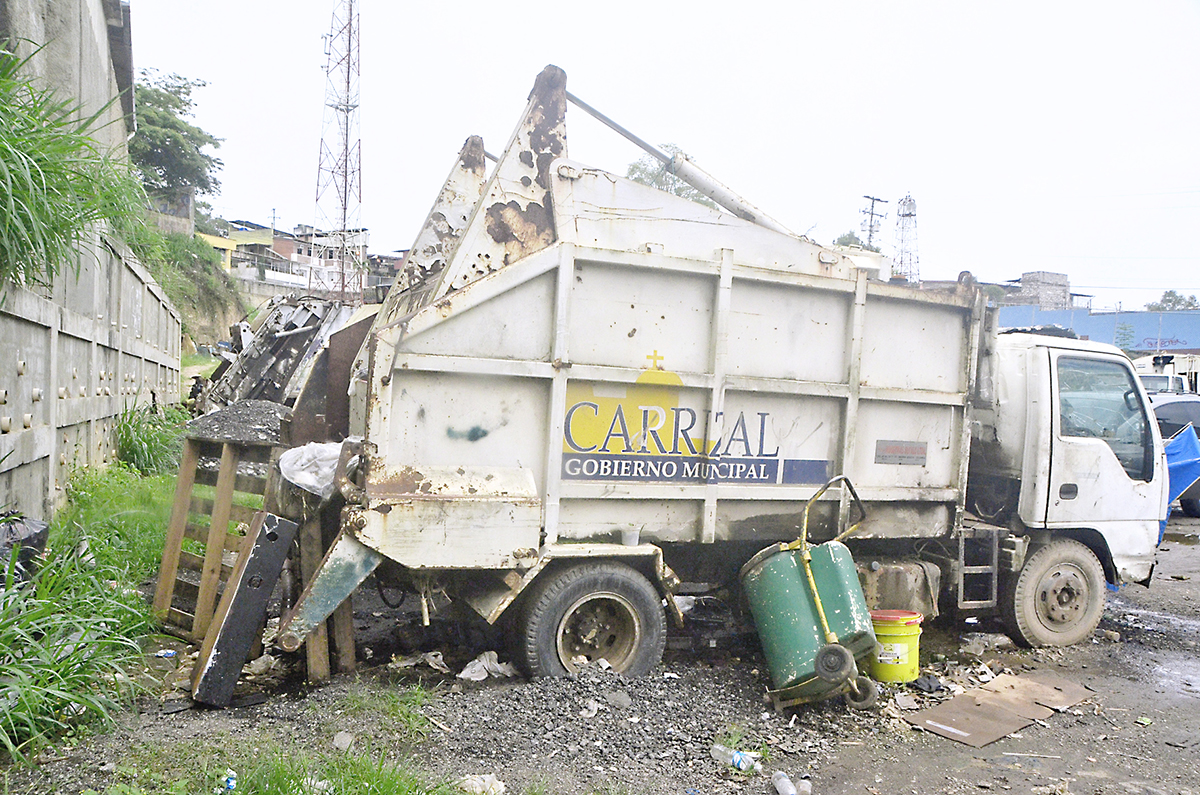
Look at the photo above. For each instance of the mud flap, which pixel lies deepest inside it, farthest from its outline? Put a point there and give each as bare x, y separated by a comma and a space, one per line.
345, 566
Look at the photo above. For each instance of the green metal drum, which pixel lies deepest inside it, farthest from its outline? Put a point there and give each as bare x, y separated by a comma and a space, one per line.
786, 617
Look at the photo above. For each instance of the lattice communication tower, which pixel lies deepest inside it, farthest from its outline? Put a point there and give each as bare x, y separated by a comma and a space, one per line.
339, 237
906, 264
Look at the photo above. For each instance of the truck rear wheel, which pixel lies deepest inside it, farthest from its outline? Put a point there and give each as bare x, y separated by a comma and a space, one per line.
591, 611
1057, 597
1190, 508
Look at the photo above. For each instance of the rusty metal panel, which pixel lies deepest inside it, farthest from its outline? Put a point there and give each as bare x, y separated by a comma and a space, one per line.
439, 236
452, 517
515, 217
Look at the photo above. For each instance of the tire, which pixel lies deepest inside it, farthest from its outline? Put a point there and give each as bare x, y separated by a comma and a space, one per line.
834, 663
595, 610
1058, 596
1190, 508
867, 695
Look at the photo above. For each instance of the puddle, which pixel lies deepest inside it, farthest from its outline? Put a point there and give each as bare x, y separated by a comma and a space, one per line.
1190, 539
1180, 675
1153, 619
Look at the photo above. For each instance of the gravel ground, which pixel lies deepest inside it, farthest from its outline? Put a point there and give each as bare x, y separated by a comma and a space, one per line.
601, 733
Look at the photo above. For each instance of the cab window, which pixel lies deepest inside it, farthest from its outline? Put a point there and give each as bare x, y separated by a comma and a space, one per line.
1099, 400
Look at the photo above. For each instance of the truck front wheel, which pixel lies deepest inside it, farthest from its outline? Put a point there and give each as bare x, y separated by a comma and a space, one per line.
1057, 597
589, 612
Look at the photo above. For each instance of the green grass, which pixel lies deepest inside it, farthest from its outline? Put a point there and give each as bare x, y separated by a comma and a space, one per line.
56, 181
206, 362
150, 439
345, 774
123, 514
400, 707
65, 640
271, 771
67, 637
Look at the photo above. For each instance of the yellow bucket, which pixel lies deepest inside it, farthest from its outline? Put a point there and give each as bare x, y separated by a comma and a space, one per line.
897, 654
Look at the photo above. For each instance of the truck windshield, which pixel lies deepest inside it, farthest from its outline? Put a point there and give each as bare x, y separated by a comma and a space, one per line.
1163, 383
1099, 399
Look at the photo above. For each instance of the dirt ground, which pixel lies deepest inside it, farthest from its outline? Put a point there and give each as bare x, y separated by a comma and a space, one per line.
1138, 732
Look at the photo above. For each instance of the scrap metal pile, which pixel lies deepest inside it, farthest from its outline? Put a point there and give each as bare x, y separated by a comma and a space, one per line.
273, 362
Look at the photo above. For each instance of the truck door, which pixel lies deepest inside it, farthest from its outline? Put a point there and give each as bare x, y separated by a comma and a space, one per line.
1103, 459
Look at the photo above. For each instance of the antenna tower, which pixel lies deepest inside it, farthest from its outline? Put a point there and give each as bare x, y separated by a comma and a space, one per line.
906, 263
870, 224
338, 238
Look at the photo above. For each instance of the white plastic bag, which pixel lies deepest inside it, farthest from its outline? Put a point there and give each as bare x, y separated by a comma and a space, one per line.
311, 467
485, 665
486, 784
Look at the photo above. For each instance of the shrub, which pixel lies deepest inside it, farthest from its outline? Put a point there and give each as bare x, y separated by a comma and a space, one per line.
150, 441
55, 181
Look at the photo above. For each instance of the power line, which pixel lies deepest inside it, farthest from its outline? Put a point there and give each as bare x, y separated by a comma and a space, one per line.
871, 224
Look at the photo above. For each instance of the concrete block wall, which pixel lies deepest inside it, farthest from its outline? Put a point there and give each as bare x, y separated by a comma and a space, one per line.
73, 359
101, 339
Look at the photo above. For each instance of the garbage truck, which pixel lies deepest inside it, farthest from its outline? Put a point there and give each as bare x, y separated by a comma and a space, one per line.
583, 391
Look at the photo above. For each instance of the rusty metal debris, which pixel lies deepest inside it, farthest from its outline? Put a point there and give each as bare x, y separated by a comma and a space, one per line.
275, 363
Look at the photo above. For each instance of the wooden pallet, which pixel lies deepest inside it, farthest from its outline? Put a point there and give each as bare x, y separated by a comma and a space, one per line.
215, 488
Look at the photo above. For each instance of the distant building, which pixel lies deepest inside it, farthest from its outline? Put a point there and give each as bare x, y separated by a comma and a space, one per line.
1042, 289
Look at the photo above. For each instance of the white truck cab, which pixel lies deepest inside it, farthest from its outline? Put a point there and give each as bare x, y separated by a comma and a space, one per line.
1066, 453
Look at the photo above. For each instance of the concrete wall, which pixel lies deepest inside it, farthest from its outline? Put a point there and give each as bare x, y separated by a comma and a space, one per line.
75, 355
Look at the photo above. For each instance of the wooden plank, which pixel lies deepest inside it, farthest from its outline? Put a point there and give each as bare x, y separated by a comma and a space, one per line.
202, 506
248, 484
343, 635
187, 591
316, 646
211, 574
179, 624
175, 529
196, 563
200, 534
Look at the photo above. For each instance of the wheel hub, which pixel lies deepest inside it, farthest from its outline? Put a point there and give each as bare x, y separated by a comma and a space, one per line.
599, 626
1062, 597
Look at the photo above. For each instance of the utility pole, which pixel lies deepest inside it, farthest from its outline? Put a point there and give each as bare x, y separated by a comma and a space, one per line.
871, 224
339, 173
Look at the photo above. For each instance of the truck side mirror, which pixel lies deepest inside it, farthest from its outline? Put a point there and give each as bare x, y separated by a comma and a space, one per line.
1131, 400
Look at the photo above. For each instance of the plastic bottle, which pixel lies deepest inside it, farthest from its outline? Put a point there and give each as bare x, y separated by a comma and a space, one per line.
230, 782
784, 785
737, 759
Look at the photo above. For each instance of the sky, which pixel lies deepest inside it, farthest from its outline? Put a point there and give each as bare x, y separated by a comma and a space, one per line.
1033, 136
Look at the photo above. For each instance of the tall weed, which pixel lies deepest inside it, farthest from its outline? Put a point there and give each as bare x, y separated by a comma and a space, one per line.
65, 639
124, 514
56, 181
150, 440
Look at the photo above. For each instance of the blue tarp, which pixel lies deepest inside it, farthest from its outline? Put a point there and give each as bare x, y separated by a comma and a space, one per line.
1183, 467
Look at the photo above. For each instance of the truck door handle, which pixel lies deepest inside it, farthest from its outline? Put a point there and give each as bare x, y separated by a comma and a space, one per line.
1068, 491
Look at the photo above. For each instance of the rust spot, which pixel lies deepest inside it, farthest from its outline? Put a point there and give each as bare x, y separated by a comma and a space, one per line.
410, 481
530, 229
472, 154
632, 331
543, 169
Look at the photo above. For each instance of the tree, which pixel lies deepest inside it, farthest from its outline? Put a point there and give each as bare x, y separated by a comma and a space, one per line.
1172, 301
168, 151
851, 239
650, 171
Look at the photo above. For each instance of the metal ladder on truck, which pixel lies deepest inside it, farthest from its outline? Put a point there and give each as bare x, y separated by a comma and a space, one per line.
978, 570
